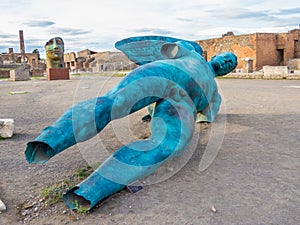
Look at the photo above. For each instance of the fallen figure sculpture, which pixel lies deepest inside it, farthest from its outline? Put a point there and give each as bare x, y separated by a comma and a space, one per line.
173, 75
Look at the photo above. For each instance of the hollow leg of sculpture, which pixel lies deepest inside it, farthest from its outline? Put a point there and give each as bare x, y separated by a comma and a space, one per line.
172, 129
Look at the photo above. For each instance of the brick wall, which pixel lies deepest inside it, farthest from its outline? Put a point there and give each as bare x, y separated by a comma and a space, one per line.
266, 51
58, 74
273, 49
4, 73
244, 46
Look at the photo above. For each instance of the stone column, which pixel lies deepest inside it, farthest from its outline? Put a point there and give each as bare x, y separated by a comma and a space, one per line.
247, 65
22, 46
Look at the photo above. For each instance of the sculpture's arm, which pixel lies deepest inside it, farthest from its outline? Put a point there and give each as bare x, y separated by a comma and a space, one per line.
141, 87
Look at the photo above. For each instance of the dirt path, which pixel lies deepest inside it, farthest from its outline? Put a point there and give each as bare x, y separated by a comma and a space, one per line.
253, 180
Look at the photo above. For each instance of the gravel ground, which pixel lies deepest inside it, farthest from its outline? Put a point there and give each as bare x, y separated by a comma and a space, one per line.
254, 178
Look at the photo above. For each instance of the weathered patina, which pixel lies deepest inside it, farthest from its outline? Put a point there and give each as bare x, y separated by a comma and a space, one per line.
55, 53
173, 75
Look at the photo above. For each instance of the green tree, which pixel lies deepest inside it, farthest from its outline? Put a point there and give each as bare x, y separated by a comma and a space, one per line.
37, 52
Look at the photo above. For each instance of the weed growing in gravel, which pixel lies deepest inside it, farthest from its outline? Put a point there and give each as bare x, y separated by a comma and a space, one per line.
83, 173
79, 209
54, 193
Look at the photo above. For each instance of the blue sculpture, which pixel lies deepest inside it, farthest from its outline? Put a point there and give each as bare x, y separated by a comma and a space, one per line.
173, 75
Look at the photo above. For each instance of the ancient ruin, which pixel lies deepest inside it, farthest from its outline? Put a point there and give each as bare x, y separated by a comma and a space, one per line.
254, 51
91, 61
272, 49
22, 61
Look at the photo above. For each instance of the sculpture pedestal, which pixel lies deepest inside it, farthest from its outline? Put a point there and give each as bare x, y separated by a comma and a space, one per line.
58, 74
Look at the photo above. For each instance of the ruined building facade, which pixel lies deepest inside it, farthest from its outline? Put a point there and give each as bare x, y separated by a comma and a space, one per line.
90, 61
11, 61
273, 49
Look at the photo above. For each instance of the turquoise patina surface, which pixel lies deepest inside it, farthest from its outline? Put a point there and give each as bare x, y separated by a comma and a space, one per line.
173, 75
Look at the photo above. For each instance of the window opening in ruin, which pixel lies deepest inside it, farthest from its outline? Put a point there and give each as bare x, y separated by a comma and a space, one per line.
296, 49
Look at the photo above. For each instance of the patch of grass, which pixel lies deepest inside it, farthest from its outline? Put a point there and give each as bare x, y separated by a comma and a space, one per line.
87, 74
118, 74
54, 193
230, 77
96, 164
83, 173
45, 192
79, 208
42, 77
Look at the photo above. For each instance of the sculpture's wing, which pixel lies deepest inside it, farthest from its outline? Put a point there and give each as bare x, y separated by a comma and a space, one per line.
145, 49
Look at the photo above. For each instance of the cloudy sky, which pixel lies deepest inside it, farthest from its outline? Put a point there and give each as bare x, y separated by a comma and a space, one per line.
98, 24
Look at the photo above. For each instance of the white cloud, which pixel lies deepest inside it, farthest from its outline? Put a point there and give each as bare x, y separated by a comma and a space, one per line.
98, 24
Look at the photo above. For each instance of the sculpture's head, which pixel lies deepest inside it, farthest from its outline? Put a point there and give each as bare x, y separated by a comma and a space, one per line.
55, 52
223, 63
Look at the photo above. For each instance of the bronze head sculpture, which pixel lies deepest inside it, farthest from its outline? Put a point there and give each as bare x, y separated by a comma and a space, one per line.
55, 53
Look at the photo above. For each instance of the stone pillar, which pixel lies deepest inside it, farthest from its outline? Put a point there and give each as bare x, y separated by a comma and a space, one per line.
11, 54
247, 65
22, 46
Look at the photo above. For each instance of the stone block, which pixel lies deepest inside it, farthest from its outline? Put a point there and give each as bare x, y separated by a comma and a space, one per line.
58, 74
294, 64
2, 206
20, 74
6, 128
275, 72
